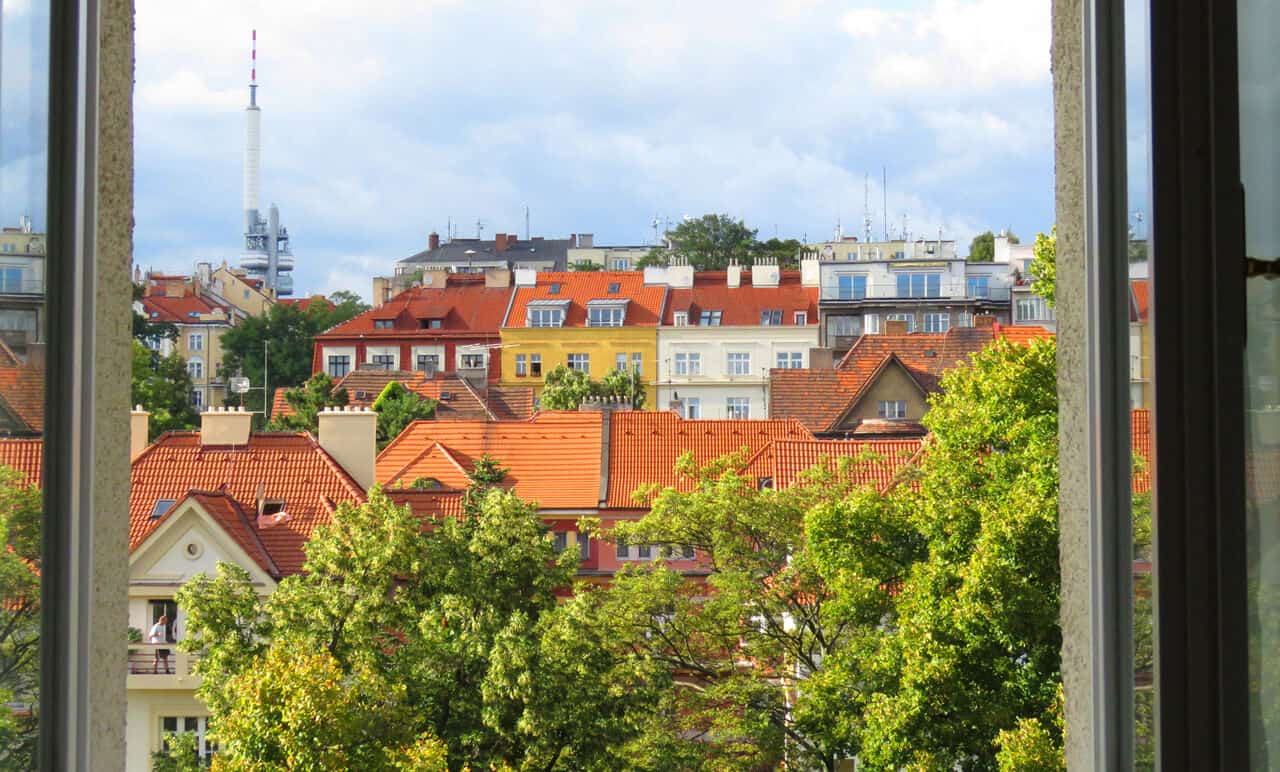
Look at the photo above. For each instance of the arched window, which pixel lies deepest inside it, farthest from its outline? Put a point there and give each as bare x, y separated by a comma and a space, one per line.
195, 368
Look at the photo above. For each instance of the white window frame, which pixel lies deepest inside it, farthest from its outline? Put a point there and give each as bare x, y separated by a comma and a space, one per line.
910, 319
346, 365
637, 362
693, 408
680, 319
620, 361
422, 366
790, 360
801, 318
937, 321
580, 362
737, 363
737, 408
535, 363
546, 317
522, 366
606, 316
195, 341
688, 363
896, 407
472, 360
195, 368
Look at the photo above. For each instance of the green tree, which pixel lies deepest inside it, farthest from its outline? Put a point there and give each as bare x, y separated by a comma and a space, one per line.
163, 387
566, 388
784, 252
709, 243
397, 635
20, 561
771, 653
586, 265
181, 754
307, 401
983, 247
1044, 268
347, 305
148, 333
397, 407
976, 645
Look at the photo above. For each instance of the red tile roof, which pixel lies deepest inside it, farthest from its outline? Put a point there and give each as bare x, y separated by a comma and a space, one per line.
743, 305
305, 303
428, 504
553, 458
464, 304
644, 447
24, 455
230, 514
1140, 295
1140, 439
511, 403
820, 398
875, 461
158, 308
645, 309
465, 402
22, 393
287, 467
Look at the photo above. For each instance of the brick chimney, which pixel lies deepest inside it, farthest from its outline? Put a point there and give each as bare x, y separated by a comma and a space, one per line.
350, 437
225, 426
433, 240
139, 425
895, 327
500, 242
985, 321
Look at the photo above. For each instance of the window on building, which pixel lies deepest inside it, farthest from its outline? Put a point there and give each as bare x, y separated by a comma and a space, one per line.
919, 285
339, 365
554, 289
851, 286
710, 318
522, 366
535, 365
196, 725
937, 322
680, 318
892, 408
688, 363
584, 546
383, 361
621, 550
790, 360
10, 279
196, 398
472, 361
1032, 309
801, 318
738, 363
620, 362
637, 363
428, 363
546, 317
844, 326
686, 552
738, 407
910, 319
580, 362
195, 368
614, 287
771, 317
561, 540
431, 324
693, 408
621, 264
644, 551
384, 324
161, 506
871, 324
605, 316
978, 287
195, 341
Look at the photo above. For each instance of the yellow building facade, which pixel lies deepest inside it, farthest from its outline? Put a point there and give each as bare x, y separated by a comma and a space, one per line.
536, 352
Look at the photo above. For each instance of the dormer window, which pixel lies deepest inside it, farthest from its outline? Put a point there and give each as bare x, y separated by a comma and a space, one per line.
193, 314
681, 318
546, 313
606, 313
384, 324
431, 324
771, 317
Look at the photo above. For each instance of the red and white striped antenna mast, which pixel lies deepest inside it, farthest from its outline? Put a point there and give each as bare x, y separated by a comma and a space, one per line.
253, 70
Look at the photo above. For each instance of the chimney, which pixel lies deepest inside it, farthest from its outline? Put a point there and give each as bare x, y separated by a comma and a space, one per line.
224, 426
764, 274
821, 359
733, 274
499, 278
139, 426
526, 277
586, 240
350, 437
679, 273
895, 327
433, 240
500, 242
810, 272
984, 321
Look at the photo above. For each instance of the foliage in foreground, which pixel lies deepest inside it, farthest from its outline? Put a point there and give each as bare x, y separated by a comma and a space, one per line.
567, 389
307, 401
20, 559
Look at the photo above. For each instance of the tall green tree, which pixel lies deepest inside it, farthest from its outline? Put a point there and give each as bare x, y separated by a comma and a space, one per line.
976, 645
784, 252
307, 401
162, 386
566, 388
983, 247
397, 407
709, 243
20, 561
1045, 266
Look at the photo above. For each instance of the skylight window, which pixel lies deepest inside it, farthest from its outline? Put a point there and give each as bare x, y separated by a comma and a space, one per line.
614, 288
711, 318
162, 506
555, 288
771, 317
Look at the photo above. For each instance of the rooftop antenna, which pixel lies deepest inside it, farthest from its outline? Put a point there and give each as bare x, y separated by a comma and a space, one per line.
253, 70
839, 230
654, 224
866, 206
479, 227
448, 229
884, 189
528, 235
906, 234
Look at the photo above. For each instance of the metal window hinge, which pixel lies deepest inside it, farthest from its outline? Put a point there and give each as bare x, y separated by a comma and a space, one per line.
1256, 267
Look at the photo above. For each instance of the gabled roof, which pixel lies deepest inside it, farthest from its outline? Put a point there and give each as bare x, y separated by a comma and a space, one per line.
875, 462
230, 515
159, 308
743, 305
454, 252
282, 466
645, 445
1139, 299
464, 304
553, 458
24, 455
465, 402
22, 396
578, 288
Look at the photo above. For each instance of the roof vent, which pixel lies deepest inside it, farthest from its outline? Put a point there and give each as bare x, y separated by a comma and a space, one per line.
931, 353
362, 395
445, 396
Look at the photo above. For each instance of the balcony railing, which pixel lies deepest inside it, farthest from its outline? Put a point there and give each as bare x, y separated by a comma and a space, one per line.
21, 286
890, 291
148, 671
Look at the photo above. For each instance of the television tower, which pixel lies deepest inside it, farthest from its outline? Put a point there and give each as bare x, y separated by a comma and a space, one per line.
266, 242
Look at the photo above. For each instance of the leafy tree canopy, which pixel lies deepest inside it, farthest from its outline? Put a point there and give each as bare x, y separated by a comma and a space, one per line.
586, 265
397, 407
983, 247
566, 388
1045, 266
162, 386
711, 242
21, 512
307, 401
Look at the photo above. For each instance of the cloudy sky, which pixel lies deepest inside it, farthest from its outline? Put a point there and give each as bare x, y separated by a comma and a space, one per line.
383, 120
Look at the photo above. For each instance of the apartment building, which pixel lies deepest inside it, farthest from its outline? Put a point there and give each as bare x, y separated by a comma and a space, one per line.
1141, 345
724, 331
22, 266
448, 323
1025, 305
591, 321
607, 258
923, 284
201, 320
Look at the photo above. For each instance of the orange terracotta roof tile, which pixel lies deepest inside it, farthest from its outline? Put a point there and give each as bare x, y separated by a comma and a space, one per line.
158, 308
743, 305
553, 458
22, 394
511, 403
876, 462
24, 455
1140, 439
644, 309
464, 304
816, 398
286, 467
428, 504
230, 514
456, 399
645, 445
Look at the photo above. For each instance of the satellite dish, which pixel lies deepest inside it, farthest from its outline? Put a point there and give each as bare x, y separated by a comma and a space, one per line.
239, 385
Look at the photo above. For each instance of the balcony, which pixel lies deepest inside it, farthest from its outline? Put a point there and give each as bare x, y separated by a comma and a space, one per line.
890, 291
10, 286
146, 673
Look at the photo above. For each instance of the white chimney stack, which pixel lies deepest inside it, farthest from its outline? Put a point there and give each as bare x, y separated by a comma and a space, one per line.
225, 426
139, 426
350, 436
733, 275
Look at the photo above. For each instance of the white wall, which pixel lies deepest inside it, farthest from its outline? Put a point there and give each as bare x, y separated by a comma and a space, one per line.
715, 385
142, 722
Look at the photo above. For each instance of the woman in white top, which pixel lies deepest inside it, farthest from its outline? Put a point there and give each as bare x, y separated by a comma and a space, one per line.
159, 634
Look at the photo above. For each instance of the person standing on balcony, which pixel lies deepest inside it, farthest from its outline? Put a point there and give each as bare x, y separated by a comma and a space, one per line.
160, 634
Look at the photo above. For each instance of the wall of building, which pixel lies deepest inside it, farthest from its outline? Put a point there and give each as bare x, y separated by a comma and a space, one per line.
605, 257
602, 344
715, 386
208, 338
236, 292
142, 722
405, 351
893, 384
